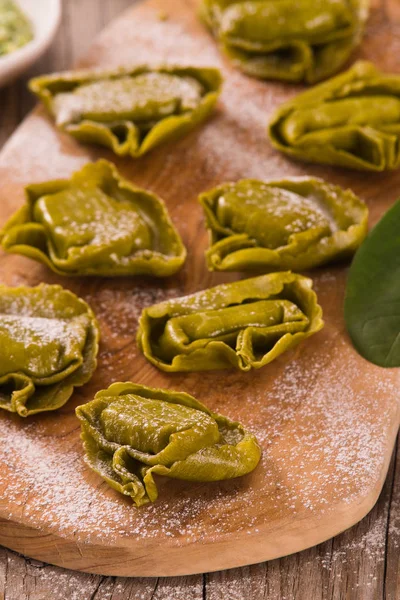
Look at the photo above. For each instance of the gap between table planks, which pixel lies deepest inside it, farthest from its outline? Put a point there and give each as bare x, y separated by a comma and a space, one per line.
369, 187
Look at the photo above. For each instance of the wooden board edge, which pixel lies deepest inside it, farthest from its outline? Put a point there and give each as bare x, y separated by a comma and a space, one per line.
125, 560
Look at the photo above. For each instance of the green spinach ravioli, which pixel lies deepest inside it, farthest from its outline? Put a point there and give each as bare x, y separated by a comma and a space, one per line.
298, 223
96, 223
352, 120
244, 325
291, 40
131, 433
48, 346
131, 111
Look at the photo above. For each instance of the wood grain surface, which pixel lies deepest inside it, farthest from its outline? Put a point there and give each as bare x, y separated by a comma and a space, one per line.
361, 563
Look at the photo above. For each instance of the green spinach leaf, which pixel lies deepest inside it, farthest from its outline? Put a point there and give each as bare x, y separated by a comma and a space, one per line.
372, 302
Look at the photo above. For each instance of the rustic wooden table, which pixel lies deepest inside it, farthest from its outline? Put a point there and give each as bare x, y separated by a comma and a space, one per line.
361, 564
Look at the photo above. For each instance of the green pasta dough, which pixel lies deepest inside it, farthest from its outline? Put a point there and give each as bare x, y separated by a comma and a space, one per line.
302, 40
297, 223
130, 111
96, 223
48, 345
131, 433
245, 324
352, 120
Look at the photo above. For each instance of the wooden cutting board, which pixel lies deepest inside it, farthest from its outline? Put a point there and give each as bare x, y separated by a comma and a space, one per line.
326, 419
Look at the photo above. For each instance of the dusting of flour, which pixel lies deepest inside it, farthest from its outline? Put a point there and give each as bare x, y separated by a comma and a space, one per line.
323, 416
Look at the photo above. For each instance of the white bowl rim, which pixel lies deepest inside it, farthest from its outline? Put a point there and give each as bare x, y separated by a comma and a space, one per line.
12, 64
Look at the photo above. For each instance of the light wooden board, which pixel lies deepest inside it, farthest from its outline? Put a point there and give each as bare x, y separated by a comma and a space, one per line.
326, 419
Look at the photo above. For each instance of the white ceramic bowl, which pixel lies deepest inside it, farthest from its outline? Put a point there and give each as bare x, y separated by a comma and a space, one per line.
45, 16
